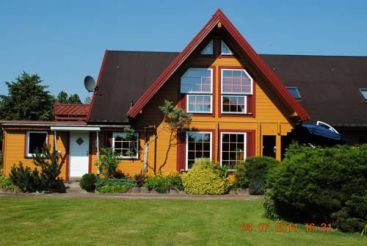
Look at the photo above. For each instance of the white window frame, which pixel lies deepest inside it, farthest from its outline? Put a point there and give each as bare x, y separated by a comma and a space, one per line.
196, 92
236, 93
126, 157
233, 95
199, 112
244, 146
187, 146
28, 142
221, 49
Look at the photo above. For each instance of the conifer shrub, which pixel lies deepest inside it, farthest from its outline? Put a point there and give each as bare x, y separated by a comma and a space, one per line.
320, 185
205, 177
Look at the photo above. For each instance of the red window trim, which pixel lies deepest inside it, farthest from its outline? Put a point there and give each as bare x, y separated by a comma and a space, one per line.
250, 99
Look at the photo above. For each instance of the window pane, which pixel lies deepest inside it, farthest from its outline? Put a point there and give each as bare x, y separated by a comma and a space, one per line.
208, 50
198, 146
236, 81
199, 103
233, 104
123, 147
196, 80
233, 149
294, 92
225, 50
36, 142
364, 93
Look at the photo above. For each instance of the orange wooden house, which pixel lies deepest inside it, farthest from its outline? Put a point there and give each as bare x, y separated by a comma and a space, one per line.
239, 109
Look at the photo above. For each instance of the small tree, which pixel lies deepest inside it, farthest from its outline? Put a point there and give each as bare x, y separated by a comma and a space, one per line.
107, 163
176, 118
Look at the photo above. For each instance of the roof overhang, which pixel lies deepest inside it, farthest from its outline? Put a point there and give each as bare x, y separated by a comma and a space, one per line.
75, 128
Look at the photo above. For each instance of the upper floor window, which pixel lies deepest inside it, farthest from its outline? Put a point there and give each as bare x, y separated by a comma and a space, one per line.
124, 147
363, 91
197, 83
209, 49
294, 92
225, 50
236, 81
36, 141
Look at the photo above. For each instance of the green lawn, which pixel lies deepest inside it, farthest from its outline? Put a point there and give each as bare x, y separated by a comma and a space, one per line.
90, 221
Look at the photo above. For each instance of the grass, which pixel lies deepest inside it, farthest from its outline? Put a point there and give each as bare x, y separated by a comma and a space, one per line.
90, 221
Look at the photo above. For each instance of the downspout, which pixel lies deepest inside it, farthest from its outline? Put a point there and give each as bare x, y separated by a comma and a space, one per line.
97, 147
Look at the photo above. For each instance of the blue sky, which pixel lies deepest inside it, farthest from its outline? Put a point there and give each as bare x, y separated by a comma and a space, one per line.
63, 41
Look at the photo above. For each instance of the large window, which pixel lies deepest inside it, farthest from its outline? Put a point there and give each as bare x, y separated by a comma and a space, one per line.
233, 148
36, 141
236, 85
197, 84
198, 145
125, 147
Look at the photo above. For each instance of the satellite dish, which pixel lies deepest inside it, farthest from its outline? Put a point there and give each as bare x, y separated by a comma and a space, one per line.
89, 83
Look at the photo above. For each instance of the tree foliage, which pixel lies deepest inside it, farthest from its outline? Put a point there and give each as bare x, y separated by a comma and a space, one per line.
27, 99
63, 97
176, 118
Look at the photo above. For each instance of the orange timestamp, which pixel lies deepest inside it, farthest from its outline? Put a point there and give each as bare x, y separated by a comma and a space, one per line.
284, 227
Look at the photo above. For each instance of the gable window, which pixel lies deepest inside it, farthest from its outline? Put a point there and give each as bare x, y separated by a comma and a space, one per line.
294, 92
233, 148
225, 50
196, 83
363, 91
36, 141
198, 145
236, 85
124, 147
208, 50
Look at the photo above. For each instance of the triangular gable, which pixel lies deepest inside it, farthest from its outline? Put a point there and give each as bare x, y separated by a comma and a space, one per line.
220, 19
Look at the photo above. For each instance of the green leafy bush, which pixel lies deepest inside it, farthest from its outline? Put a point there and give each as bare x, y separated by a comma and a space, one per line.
257, 169
88, 182
114, 185
205, 178
176, 182
159, 183
320, 185
241, 180
107, 163
6, 184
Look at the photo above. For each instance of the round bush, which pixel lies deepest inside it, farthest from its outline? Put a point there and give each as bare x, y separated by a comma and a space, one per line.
320, 185
88, 182
256, 171
205, 178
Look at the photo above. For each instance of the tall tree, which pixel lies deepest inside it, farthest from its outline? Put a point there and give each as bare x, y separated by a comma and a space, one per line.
27, 99
63, 97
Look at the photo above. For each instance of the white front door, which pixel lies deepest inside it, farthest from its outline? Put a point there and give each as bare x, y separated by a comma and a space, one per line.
79, 154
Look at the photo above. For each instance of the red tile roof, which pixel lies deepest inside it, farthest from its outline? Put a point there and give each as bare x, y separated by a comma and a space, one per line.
71, 112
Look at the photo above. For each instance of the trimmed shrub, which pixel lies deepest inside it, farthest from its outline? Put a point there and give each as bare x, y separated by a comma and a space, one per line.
114, 185
205, 178
320, 185
158, 183
241, 179
88, 182
256, 171
6, 184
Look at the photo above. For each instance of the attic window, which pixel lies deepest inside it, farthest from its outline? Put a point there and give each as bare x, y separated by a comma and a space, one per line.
225, 50
208, 50
294, 92
363, 91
